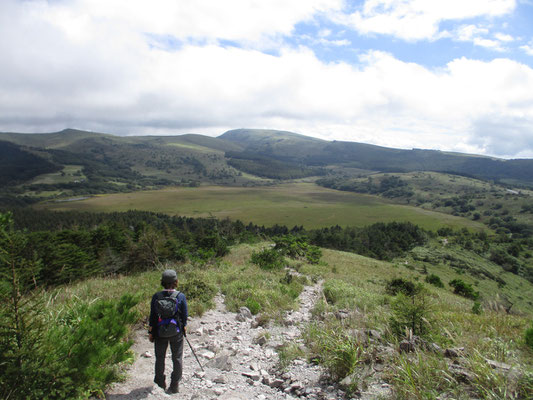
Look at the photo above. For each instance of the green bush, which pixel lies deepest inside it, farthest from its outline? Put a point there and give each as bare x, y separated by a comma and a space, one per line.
298, 247
434, 280
92, 343
529, 336
253, 305
338, 353
313, 254
73, 356
400, 285
46, 355
268, 259
476, 308
412, 313
464, 289
195, 287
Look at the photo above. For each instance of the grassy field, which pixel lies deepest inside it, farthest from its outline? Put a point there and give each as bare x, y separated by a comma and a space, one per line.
287, 204
69, 173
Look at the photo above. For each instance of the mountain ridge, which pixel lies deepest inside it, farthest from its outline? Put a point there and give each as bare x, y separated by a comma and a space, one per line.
270, 154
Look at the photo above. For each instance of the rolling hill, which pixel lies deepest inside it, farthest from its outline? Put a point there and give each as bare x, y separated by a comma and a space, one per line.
314, 152
240, 157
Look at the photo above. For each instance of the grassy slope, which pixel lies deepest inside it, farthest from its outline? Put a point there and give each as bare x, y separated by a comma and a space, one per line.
288, 204
54, 140
277, 143
360, 155
69, 173
431, 191
359, 285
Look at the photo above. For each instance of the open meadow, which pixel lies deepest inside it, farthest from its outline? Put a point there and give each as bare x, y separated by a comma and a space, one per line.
286, 204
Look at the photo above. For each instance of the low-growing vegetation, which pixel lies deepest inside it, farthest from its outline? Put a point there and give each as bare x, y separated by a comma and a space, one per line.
372, 328
374, 311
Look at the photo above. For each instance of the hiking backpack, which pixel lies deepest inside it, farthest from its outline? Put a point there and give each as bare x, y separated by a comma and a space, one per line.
168, 320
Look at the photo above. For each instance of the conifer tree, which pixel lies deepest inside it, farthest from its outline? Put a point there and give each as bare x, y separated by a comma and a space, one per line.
50, 356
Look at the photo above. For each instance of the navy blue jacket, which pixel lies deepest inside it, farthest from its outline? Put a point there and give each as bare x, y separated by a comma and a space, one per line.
182, 309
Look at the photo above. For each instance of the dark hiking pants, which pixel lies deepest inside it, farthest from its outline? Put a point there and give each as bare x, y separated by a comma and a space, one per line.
176, 347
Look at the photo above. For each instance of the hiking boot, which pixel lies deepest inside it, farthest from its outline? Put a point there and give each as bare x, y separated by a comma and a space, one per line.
161, 383
174, 387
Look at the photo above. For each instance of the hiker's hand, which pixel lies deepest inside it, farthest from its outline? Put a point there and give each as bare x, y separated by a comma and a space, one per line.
184, 331
151, 337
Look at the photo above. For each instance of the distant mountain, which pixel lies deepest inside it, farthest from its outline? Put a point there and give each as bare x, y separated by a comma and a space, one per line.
79, 162
73, 162
310, 152
18, 165
54, 140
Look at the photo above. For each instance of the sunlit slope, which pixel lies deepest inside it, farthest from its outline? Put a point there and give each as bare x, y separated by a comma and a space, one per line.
315, 152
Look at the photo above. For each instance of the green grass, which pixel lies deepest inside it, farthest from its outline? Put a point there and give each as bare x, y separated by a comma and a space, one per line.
286, 204
70, 173
242, 282
431, 190
195, 147
355, 284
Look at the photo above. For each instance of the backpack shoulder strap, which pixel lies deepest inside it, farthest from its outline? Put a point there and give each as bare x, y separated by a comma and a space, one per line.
175, 294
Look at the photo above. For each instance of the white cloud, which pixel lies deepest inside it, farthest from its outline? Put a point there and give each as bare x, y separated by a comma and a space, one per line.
481, 36
101, 74
503, 37
470, 32
338, 42
238, 20
528, 48
420, 19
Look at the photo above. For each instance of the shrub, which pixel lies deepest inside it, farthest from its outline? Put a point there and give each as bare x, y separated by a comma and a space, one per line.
464, 289
400, 285
253, 305
434, 280
340, 354
298, 247
529, 336
313, 255
72, 356
476, 308
92, 344
507, 262
268, 259
195, 287
411, 313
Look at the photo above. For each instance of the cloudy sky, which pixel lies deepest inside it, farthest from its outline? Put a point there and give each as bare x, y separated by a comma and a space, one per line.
442, 74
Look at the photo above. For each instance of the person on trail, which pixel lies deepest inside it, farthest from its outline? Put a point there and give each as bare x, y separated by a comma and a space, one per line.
167, 324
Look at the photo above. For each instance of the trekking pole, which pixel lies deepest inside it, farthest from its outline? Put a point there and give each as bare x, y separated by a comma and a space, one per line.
195, 356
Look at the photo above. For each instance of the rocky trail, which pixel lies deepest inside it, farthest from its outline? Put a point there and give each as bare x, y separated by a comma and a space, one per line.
239, 358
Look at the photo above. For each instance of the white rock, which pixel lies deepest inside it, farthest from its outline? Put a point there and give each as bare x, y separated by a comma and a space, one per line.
208, 354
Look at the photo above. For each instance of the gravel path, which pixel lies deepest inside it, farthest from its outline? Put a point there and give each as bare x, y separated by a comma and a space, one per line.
239, 359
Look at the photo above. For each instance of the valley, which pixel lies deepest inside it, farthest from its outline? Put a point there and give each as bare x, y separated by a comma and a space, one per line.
289, 204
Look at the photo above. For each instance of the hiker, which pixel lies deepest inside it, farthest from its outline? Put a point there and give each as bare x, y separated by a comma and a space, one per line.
168, 319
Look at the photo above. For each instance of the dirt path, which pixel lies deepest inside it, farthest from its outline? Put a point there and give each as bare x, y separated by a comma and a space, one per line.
239, 359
